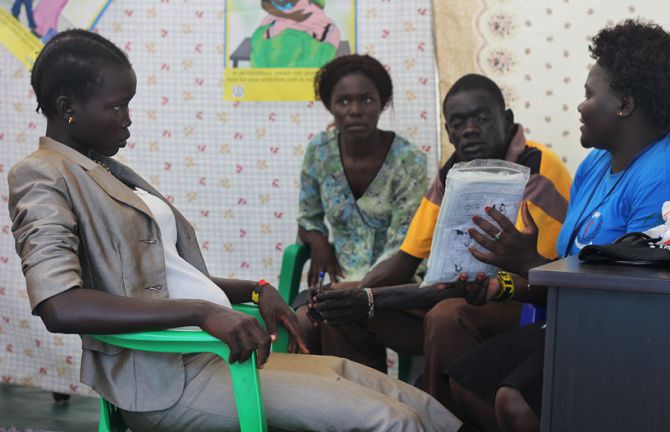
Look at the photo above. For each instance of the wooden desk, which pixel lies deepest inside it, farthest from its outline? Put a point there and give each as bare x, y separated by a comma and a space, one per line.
607, 355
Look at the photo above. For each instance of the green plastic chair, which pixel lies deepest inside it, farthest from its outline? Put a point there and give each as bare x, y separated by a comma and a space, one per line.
294, 259
246, 382
292, 264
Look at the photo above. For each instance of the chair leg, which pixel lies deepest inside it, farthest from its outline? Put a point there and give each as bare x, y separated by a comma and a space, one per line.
404, 367
110, 418
104, 424
248, 396
60, 397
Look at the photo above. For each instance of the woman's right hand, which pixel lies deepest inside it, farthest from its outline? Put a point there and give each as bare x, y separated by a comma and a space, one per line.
241, 332
506, 247
322, 258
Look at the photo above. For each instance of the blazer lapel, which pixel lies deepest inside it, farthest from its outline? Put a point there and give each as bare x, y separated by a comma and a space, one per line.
131, 177
187, 244
117, 190
110, 184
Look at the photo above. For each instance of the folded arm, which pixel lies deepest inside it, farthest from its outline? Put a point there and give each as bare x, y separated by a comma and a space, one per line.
86, 311
396, 270
347, 306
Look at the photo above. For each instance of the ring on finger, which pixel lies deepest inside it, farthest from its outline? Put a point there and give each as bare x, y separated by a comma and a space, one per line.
497, 236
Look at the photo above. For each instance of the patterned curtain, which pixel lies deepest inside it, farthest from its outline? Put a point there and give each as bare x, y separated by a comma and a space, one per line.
537, 51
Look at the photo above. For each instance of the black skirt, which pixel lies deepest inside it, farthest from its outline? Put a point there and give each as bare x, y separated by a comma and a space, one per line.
514, 359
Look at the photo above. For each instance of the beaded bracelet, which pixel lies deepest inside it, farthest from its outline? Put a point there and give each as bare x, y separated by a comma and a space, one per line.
371, 302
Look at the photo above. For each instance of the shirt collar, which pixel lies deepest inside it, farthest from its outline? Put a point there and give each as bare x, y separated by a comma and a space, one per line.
47, 143
88, 163
517, 145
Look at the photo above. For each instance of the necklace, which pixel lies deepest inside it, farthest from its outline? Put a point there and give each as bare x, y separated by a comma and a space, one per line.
586, 209
580, 220
122, 180
102, 165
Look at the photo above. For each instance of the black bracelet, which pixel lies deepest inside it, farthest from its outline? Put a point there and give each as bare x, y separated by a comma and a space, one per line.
507, 287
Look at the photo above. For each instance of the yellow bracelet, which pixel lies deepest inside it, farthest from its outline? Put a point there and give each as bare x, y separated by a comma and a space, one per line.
507, 288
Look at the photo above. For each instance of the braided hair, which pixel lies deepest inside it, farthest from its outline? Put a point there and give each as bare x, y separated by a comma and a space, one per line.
71, 64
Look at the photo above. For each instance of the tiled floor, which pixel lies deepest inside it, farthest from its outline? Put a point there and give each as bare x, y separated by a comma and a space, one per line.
28, 409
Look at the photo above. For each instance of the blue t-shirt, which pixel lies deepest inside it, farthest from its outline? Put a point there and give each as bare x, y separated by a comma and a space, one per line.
604, 206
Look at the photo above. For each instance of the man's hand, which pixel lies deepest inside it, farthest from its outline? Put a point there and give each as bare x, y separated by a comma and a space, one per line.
241, 332
478, 291
322, 258
510, 249
274, 310
342, 306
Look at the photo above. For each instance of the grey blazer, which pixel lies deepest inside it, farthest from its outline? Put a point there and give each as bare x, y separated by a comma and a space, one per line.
77, 225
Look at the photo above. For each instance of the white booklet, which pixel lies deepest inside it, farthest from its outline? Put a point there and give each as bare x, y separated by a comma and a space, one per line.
469, 188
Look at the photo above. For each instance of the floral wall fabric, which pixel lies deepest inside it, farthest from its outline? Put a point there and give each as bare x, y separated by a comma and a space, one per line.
537, 51
231, 168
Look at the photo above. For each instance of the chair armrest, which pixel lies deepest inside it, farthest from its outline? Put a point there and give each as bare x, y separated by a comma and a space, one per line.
160, 336
245, 378
173, 341
281, 344
188, 341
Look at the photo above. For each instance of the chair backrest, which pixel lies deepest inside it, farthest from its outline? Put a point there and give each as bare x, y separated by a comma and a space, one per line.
294, 259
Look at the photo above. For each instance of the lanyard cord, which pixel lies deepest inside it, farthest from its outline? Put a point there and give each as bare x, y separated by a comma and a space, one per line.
579, 220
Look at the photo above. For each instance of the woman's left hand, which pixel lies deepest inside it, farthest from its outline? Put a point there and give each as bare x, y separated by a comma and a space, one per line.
342, 306
510, 249
274, 310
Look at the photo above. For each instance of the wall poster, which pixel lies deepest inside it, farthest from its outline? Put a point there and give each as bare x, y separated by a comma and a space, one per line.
26, 25
274, 47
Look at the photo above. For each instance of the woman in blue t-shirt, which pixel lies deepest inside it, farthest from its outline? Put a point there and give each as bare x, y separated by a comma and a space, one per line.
620, 187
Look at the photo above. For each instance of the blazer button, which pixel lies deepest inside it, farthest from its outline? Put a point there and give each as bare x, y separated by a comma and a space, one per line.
154, 287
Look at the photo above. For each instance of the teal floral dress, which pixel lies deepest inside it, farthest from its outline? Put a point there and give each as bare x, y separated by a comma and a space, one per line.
370, 229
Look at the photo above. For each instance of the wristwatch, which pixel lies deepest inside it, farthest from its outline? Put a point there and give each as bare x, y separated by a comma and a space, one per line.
256, 292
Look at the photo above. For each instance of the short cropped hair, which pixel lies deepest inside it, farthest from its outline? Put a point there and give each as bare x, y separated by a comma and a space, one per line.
71, 63
471, 82
328, 76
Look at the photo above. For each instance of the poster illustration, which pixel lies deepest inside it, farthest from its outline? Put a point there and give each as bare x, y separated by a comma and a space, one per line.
25, 25
273, 48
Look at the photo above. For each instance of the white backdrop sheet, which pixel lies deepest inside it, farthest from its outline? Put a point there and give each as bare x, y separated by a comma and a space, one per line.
231, 168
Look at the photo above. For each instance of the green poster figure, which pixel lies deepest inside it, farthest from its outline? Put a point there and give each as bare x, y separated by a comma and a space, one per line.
294, 34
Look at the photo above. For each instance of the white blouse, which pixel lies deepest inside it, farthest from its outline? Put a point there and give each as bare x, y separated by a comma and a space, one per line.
183, 280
